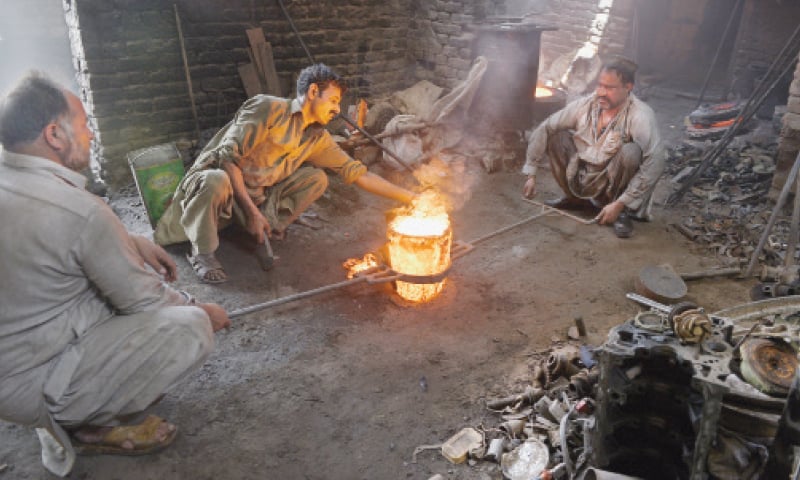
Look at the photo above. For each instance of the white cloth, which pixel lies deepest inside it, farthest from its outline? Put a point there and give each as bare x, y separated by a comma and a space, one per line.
86, 332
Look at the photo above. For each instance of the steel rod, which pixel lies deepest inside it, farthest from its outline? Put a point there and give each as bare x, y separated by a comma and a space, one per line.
774, 215
507, 228
585, 221
786, 60
296, 32
297, 296
719, 50
376, 142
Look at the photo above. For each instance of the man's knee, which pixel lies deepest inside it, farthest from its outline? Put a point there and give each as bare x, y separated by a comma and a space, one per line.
319, 181
630, 155
188, 326
215, 184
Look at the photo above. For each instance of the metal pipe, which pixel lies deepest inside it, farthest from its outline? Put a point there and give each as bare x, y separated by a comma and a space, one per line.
376, 142
585, 221
296, 32
773, 217
786, 58
719, 50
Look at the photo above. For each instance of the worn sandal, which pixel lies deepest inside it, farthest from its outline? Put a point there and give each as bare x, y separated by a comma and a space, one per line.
142, 439
207, 267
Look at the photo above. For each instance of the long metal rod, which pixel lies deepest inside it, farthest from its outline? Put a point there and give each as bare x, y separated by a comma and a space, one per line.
187, 72
719, 50
376, 142
585, 221
507, 228
778, 205
794, 226
297, 296
296, 32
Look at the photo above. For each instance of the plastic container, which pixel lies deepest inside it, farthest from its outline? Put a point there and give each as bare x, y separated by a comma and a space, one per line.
459, 445
157, 171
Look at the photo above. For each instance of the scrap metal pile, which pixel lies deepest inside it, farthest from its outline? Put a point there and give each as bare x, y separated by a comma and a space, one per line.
726, 208
674, 393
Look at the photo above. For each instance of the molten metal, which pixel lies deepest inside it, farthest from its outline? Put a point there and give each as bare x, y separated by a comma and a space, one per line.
419, 244
543, 92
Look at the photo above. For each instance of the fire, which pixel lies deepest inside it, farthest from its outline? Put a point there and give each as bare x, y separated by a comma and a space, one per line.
419, 245
543, 92
357, 265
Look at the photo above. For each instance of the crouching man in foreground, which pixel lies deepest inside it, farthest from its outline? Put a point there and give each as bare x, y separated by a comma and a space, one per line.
88, 335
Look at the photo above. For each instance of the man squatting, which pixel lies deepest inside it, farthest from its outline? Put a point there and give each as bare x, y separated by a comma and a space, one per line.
88, 335
604, 150
263, 169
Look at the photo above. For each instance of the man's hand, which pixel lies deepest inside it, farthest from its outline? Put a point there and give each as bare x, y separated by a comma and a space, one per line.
529, 190
217, 315
258, 226
156, 257
610, 212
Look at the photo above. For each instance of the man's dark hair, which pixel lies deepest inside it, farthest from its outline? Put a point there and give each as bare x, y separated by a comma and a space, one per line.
623, 67
30, 105
320, 74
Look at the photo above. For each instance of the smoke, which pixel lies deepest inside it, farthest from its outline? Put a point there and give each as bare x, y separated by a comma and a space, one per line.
452, 180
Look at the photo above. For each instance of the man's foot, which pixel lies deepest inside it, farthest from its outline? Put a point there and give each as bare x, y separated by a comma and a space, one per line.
623, 225
207, 267
570, 203
150, 436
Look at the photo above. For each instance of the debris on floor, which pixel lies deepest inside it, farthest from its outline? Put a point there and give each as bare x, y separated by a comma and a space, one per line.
689, 395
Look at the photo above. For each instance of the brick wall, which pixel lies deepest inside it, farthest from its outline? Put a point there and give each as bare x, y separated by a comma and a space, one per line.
441, 37
765, 27
132, 71
574, 20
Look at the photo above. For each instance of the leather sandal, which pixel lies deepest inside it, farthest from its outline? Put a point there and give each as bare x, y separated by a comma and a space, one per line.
133, 440
205, 265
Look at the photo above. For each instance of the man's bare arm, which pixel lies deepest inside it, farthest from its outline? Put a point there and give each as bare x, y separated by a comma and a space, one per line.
375, 184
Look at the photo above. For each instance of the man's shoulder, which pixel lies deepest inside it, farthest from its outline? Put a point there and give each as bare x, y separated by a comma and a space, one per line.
641, 106
46, 191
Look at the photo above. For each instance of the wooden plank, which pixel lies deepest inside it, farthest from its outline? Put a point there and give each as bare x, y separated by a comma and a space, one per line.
273, 84
250, 80
256, 38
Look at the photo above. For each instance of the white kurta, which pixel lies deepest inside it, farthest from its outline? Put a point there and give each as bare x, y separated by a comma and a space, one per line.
87, 333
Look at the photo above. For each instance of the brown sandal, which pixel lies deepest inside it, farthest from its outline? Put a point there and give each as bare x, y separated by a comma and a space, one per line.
207, 268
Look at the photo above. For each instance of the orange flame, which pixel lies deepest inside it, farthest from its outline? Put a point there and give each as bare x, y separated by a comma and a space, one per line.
419, 245
357, 265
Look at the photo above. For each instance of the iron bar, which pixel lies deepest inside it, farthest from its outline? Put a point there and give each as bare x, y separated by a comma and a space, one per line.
774, 215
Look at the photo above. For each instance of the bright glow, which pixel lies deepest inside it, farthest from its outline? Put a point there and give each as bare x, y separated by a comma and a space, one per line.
596, 30
542, 92
419, 244
358, 265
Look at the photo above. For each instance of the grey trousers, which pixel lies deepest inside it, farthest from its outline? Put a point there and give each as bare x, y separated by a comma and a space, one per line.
601, 184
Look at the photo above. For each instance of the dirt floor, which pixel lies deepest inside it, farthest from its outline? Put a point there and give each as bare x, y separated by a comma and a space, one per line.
347, 384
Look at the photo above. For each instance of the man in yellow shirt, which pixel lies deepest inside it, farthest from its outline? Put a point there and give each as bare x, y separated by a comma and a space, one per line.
263, 169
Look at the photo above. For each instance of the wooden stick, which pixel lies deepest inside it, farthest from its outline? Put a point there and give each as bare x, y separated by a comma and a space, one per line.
186, 71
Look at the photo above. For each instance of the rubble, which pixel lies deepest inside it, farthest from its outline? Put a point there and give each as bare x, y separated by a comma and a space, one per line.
651, 402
